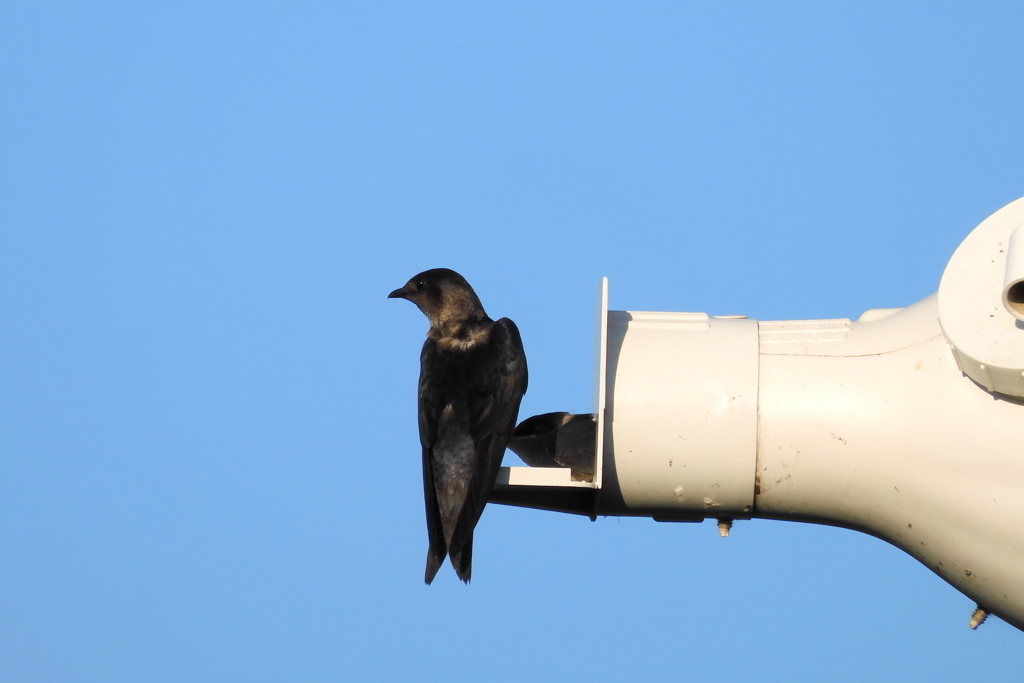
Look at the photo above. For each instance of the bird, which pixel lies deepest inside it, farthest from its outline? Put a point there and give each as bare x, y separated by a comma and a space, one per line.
558, 440
473, 375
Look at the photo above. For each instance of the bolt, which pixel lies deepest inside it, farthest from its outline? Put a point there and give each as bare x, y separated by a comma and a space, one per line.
978, 618
724, 525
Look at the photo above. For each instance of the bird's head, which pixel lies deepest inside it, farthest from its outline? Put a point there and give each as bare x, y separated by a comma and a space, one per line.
444, 297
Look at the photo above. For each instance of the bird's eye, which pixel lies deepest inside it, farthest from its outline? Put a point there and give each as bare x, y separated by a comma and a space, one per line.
420, 284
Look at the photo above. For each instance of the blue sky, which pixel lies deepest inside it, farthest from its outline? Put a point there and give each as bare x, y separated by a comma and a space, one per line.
209, 463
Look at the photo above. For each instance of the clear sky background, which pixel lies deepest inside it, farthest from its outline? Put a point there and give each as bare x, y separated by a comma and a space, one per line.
209, 461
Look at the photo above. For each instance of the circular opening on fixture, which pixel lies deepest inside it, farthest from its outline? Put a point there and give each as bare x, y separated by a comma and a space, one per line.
1013, 299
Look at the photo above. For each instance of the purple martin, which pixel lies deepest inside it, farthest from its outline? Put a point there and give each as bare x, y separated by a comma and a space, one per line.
558, 440
472, 378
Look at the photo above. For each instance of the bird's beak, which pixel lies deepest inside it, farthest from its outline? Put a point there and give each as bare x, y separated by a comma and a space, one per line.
398, 293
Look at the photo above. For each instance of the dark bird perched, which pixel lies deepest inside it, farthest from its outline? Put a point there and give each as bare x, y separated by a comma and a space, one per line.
558, 440
472, 378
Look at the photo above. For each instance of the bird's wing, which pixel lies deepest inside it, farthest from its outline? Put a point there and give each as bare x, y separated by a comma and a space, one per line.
431, 403
502, 379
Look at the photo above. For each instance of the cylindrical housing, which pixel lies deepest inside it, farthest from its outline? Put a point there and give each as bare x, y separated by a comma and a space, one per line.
681, 415
868, 425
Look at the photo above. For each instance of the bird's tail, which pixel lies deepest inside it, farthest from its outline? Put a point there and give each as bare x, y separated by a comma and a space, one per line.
462, 560
434, 562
